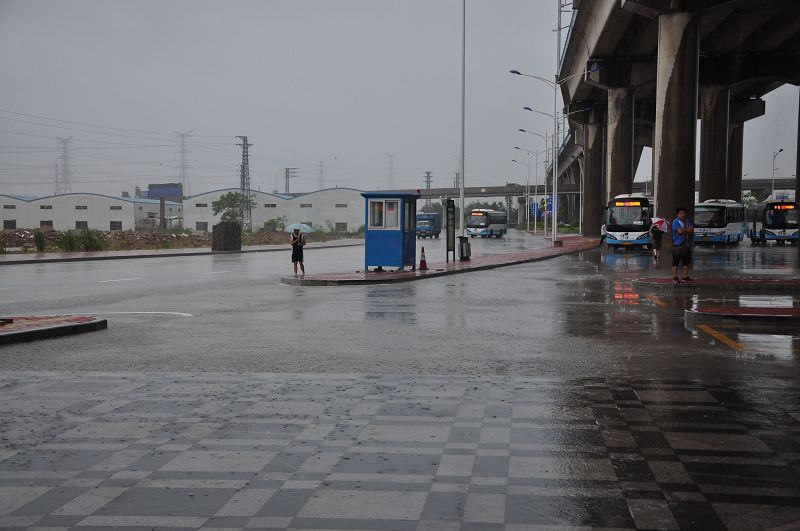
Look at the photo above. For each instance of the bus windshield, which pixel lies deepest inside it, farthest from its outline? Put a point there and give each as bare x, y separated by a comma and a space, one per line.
635, 217
477, 220
709, 216
782, 217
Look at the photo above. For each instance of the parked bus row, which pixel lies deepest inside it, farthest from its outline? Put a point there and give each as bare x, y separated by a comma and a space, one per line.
480, 222
716, 222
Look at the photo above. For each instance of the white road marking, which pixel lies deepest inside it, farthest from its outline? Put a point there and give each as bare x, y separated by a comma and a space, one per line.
118, 280
217, 272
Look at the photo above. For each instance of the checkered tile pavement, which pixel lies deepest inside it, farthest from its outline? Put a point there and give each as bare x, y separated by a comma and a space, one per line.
275, 451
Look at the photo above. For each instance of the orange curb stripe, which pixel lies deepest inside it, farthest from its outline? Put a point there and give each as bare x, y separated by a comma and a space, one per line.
655, 300
722, 337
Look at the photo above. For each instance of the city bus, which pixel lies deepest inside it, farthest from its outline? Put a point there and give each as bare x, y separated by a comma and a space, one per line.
487, 223
719, 221
628, 222
773, 221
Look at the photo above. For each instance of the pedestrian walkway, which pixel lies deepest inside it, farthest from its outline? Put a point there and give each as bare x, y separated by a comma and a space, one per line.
16, 259
19, 329
571, 244
84, 450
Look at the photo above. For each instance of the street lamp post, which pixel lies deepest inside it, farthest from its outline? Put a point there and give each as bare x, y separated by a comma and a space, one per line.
774, 156
463, 108
546, 139
555, 86
527, 190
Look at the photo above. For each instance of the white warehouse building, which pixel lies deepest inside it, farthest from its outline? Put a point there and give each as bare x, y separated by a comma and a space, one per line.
339, 209
82, 210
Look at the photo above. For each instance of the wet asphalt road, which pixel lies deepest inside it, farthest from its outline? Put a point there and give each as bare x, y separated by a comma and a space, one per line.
573, 316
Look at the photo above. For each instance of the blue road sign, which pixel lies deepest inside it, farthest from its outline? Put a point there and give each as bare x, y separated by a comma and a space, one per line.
549, 203
534, 210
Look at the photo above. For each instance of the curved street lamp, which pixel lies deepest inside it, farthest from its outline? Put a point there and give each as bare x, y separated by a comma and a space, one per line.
774, 156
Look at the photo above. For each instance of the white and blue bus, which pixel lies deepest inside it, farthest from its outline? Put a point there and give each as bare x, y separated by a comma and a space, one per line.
719, 221
487, 223
774, 221
629, 219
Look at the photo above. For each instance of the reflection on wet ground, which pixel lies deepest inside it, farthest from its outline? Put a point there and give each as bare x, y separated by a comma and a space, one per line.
761, 338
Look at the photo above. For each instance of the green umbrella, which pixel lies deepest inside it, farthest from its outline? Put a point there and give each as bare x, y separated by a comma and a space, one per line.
301, 226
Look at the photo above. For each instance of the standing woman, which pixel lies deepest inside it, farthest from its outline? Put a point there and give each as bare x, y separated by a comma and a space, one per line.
297, 241
655, 237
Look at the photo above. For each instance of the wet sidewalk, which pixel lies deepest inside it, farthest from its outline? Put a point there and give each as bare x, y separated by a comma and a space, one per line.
742, 284
38, 258
86, 450
571, 244
29, 328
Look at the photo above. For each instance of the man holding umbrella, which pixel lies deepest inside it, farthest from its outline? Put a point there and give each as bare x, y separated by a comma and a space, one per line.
297, 241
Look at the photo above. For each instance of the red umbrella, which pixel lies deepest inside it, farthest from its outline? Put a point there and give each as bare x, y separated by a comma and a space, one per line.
661, 224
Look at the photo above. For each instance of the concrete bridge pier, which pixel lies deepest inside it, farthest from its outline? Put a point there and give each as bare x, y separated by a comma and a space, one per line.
593, 196
676, 112
619, 144
714, 136
733, 183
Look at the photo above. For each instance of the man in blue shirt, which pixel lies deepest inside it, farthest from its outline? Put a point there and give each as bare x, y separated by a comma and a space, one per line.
682, 230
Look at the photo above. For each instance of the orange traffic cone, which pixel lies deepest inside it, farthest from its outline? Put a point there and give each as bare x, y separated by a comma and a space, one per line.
423, 264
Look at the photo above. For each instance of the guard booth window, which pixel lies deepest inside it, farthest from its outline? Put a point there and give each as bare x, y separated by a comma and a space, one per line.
384, 214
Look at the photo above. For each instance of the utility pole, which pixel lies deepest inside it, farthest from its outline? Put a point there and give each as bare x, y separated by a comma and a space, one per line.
247, 222
56, 180
291, 173
457, 181
183, 165
321, 175
63, 185
428, 179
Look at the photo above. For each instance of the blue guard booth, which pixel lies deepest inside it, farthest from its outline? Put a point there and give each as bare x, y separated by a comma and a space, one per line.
390, 230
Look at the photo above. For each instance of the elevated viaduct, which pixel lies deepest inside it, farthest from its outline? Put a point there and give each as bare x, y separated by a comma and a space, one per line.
651, 69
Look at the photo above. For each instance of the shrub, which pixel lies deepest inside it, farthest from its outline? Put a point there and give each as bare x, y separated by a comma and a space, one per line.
90, 240
67, 242
38, 239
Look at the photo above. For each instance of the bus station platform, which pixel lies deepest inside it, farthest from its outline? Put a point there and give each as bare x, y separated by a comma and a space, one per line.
740, 284
29, 328
571, 244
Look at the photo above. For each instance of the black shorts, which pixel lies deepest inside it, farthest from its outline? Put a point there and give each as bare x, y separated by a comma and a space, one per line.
656, 244
297, 254
681, 255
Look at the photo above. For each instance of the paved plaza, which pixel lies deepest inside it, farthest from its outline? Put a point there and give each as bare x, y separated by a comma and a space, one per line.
225, 451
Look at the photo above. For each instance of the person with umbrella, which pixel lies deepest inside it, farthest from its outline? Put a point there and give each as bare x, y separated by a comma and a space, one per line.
657, 230
298, 241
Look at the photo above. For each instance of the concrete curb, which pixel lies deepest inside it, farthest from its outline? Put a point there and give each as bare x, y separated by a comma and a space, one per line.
47, 332
432, 273
57, 259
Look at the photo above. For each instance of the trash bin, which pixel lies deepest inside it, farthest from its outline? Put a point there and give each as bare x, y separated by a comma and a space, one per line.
464, 249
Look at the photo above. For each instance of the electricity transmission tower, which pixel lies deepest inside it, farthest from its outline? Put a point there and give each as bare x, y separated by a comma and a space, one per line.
428, 179
247, 222
321, 175
390, 183
63, 185
291, 173
183, 165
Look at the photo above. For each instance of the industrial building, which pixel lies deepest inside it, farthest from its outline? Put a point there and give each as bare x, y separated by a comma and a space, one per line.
82, 210
333, 209
339, 209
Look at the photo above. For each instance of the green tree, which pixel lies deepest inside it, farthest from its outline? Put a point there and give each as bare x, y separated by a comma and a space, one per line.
275, 224
232, 207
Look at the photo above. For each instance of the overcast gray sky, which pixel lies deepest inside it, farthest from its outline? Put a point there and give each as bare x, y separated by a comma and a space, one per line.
342, 82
